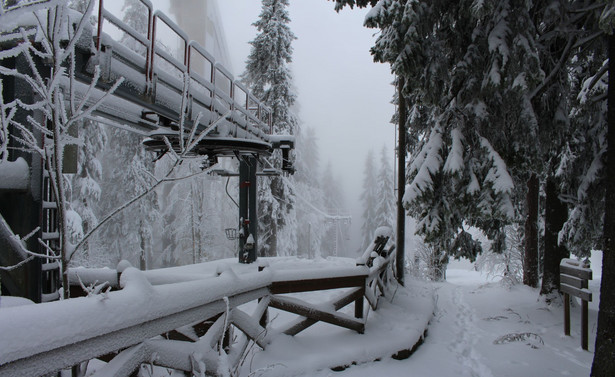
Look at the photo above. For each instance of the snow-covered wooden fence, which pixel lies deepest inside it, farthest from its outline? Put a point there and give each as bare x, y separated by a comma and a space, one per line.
180, 320
125, 326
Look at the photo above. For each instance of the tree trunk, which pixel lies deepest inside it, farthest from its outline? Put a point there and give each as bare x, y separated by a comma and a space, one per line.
530, 261
277, 190
400, 258
556, 213
604, 355
439, 264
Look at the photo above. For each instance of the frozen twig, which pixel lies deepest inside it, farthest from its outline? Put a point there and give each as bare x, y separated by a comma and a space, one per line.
119, 209
82, 22
52, 253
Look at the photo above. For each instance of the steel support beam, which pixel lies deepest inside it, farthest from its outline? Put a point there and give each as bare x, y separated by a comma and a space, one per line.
248, 240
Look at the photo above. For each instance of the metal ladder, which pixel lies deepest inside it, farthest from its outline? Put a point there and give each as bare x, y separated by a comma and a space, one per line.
50, 235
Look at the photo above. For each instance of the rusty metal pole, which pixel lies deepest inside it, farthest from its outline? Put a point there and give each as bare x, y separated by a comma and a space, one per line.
247, 210
401, 183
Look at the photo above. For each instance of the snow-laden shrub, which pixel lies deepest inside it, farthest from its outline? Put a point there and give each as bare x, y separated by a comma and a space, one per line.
508, 265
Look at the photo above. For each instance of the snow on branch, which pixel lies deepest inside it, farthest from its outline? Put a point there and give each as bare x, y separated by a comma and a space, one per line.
595, 84
18, 245
427, 163
454, 161
591, 176
498, 173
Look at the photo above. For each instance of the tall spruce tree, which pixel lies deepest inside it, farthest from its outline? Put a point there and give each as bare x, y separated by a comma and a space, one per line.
385, 194
129, 173
333, 206
550, 103
369, 199
87, 181
129, 169
135, 15
268, 76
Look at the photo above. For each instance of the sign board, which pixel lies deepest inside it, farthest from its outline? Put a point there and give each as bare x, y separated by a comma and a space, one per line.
574, 277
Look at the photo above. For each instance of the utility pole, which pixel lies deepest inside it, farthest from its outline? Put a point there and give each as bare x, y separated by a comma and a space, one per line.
401, 182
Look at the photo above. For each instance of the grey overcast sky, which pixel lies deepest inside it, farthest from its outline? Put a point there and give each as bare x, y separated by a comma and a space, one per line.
342, 93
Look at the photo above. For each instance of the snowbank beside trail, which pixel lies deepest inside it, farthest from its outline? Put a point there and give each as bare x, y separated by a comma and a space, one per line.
398, 325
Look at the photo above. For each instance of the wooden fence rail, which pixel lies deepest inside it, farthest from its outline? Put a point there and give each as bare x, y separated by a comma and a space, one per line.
194, 317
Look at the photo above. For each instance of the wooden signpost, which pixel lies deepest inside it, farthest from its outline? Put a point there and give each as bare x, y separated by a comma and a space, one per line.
574, 276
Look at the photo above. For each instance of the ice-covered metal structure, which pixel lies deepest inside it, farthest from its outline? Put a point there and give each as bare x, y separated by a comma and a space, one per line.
166, 86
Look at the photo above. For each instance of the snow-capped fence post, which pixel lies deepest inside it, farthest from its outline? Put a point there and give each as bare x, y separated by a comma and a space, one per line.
379, 259
574, 277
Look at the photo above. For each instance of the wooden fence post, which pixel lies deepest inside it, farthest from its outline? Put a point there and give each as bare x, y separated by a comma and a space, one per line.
566, 314
358, 304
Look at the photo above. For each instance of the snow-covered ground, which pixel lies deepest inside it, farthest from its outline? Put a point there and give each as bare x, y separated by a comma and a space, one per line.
475, 327
481, 328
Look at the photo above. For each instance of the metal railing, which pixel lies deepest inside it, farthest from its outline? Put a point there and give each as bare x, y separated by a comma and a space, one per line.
222, 87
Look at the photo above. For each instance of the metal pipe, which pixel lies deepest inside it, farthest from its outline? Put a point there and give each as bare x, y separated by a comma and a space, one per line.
100, 25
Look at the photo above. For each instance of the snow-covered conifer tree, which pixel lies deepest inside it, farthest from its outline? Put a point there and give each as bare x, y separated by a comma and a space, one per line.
468, 68
385, 194
581, 161
128, 174
86, 188
333, 206
369, 198
268, 77
135, 15
129, 166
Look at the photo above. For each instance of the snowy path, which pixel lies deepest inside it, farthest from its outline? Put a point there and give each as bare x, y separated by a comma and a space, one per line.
482, 329
465, 341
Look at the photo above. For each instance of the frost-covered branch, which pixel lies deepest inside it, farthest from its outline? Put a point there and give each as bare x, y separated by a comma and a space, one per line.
17, 243
7, 112
129, 203
16, 266
84, 114
88, 92
79, 29
205, 132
